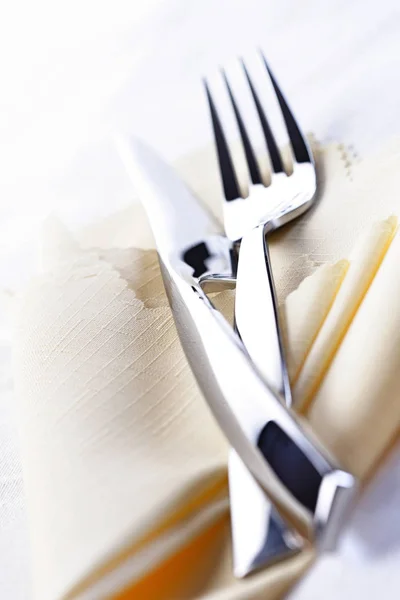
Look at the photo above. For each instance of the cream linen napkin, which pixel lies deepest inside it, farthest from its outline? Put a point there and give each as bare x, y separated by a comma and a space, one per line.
125, 470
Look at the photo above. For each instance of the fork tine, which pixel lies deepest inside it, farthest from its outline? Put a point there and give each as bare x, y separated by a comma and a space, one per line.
275, 157
228, 175
248, 149
298, 142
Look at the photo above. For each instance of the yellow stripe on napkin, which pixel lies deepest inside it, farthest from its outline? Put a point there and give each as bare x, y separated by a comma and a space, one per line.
364, 264
356, 410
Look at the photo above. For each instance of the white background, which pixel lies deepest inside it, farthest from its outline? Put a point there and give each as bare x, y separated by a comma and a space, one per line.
72, 71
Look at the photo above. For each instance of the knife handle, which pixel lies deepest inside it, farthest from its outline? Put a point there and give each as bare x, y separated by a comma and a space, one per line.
275, 445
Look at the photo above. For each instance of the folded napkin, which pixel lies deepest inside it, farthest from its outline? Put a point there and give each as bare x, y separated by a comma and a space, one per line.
124, 467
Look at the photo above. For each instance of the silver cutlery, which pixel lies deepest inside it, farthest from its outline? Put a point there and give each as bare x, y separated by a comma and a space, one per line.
266, 207
248, 219
268, 437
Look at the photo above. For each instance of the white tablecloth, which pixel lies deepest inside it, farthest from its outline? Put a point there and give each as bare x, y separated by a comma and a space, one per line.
71, 72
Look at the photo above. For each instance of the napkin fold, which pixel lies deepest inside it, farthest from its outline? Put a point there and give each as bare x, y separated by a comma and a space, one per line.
124, 466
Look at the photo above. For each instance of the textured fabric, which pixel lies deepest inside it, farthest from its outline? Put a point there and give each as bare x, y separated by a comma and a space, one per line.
124, 467
362, 269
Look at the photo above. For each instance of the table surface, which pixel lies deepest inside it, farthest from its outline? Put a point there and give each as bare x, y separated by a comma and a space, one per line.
74, 72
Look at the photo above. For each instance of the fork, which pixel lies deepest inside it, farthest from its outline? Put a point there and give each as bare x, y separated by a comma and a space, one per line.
248, 221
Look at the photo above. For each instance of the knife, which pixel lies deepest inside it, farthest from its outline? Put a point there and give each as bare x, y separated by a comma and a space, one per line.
289, 464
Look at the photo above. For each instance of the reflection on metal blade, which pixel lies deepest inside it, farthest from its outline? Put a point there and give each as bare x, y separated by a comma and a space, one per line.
178, 218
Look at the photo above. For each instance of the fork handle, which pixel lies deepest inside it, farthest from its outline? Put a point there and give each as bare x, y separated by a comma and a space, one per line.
254, 263
256, 311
